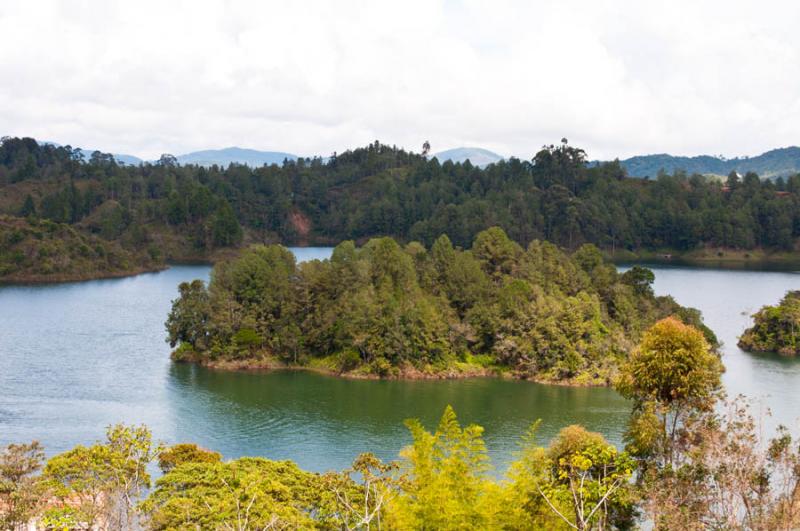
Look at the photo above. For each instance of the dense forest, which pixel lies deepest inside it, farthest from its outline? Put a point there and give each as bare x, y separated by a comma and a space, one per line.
388, 310
190, 212
775, 328
691, 461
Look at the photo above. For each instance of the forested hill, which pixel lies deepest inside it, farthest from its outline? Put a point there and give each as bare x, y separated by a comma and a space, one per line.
772, 164
188, 211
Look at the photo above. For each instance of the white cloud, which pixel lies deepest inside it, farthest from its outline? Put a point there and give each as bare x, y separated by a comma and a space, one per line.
311, 77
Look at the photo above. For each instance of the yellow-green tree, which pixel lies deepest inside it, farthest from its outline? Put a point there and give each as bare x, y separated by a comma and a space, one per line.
579, 482
672, 374
445, 486
19, 495
246, 494
99, 485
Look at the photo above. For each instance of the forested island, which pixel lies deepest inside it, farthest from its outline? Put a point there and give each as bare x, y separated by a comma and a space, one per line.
775, 328
691, 461
179, 213
392, 311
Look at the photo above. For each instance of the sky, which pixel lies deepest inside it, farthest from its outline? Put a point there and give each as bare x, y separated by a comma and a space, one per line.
313, 77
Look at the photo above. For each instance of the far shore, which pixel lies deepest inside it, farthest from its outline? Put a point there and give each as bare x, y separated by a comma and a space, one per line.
732, 259
65, 278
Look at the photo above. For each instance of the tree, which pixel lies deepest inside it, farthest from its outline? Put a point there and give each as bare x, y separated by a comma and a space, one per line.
360, 503
640, 279
188, 319
28, 207
246, 494
589, 476
167, 160
176, 209
179, 454
728, 475
19, 495
225, 229
775, 328
100, 484
447, 487
672, 374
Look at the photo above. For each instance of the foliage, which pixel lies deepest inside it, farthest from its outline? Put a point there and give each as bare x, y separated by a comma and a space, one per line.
189, 211
446, 485
32, 250
248, 493
360, 503
579, 482
387, 310
100, 484
775, 328
727, 475
19, 494
671, 374
179, 454
724, 475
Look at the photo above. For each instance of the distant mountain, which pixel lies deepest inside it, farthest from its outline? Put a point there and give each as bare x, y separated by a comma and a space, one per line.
477, 156
776, 163
223, 157
131, 160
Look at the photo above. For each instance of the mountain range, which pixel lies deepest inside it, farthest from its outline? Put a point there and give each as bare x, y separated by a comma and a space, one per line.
772, 164
209, 157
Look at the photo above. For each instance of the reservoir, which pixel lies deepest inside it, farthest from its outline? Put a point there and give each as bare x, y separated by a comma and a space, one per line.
77, 357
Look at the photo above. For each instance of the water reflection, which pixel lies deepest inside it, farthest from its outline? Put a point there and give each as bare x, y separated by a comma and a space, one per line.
323, 422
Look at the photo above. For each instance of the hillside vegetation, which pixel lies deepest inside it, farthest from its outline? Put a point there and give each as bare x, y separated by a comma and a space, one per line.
389, 311
36, 251
195, 213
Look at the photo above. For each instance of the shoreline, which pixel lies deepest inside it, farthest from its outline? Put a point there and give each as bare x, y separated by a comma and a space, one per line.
403, 374
720, 258
40, 280
724, 259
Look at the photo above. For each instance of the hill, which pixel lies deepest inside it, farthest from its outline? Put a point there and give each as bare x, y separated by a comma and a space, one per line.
775, 163
477, 156
223, 157
190, 212
43, 251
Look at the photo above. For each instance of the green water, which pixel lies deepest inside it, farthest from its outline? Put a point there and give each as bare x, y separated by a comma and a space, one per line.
77, 357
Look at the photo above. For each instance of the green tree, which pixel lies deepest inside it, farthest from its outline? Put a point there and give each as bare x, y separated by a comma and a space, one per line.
28, 207
672, 374
188, 319
225, 228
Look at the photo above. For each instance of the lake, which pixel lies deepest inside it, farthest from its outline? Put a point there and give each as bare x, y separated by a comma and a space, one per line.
78, 357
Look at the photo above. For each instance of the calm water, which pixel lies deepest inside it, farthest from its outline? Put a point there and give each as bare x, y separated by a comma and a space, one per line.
727, 300
77, 357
